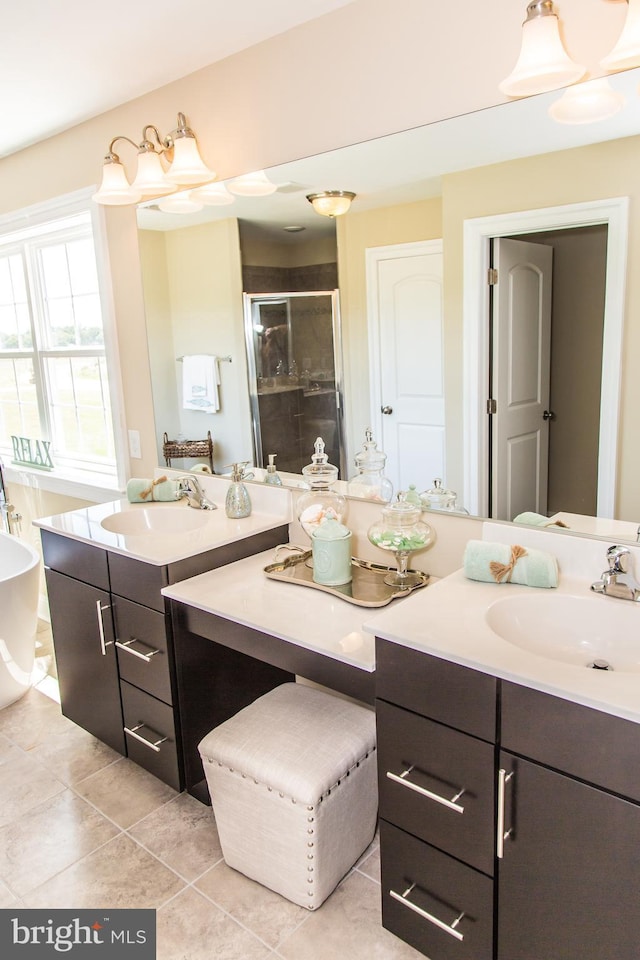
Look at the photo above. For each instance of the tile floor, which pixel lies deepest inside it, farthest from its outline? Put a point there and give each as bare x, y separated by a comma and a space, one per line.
81, 826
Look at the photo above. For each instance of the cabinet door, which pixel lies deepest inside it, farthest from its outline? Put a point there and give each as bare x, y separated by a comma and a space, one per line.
570, 874
83, 636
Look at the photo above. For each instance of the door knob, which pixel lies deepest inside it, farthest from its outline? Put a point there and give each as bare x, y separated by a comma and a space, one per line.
387, 410
548, 415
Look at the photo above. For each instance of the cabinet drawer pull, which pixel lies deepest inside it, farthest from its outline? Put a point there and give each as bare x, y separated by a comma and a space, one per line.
155, 745
100, 607
440, 924
450, 804
501, 835
126, 645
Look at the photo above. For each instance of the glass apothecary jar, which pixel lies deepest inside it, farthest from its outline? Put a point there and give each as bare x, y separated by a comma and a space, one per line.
370, 483
437, 498
320, 502
401, 532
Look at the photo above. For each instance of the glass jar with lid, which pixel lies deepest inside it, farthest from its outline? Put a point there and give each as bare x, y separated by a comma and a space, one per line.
401, 531
438, 498
370, 483
320, 502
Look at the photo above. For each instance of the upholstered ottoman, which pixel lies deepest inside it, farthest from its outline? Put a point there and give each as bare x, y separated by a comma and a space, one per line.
292, 779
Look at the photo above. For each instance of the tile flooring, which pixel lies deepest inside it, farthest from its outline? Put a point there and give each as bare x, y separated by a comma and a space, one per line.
81, 826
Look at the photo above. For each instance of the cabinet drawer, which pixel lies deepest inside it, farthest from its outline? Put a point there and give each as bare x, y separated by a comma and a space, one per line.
137, 580
141, 642
76, 559
455, 695
594, 746
150, 734
438, 784
416, 877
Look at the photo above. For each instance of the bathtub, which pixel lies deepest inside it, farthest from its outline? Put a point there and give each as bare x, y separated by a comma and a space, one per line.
19, 587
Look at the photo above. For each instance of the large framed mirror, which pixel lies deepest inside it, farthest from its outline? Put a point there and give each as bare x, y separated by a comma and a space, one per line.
419, 186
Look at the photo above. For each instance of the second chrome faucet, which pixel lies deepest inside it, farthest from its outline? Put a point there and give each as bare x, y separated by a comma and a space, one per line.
619, 580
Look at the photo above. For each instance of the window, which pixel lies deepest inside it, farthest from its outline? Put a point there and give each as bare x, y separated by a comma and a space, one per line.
54, 380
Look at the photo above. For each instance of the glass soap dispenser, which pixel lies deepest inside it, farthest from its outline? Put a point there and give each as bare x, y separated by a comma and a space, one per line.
320, 502
237, 502
370, 482
272, 476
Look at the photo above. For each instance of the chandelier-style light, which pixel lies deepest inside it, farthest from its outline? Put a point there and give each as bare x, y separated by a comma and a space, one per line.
331, 203
255, 184
587, 102
626, 52
543, 63
180, 148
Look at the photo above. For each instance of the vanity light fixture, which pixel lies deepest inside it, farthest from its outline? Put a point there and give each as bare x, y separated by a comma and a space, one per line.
213, 195
182, 202
179, 147
626, 52
255, 184
587, 102
331, 203
543, 63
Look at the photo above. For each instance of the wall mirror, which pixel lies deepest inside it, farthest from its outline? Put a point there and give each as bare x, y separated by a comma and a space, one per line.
419, 185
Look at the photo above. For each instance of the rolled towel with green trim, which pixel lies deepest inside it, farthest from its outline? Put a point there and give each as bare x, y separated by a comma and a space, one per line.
504, 563
147, 491
537, 520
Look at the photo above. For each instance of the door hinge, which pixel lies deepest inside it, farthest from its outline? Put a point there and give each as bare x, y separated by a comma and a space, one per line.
492, 276
492, 406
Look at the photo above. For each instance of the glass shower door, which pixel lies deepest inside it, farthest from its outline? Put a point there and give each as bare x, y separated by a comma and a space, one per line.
293, 352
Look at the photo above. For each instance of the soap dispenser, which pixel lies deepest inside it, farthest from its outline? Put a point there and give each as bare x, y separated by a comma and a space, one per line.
272, 476
237, 502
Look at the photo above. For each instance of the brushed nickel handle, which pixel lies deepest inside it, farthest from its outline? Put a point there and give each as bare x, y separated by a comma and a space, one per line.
387, 410
103, 643
501, 836
153, 745
445, 801
449, 928
126, 645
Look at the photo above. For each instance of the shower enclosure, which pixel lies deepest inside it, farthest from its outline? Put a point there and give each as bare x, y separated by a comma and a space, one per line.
295, 376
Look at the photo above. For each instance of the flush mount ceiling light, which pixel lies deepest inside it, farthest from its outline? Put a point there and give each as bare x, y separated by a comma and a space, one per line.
179, 147
626, 52
587, 102
331, 203
255, 184
543, 63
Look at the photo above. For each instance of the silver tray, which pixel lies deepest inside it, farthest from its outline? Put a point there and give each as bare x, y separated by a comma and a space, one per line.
367, 588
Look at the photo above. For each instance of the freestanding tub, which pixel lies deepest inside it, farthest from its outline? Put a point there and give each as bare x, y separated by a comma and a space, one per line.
19, 586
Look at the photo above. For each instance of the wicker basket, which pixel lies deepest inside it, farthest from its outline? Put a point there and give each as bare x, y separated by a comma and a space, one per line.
177, 450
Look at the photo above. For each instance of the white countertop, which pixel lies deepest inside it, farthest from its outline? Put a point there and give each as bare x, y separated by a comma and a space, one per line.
448, 620
161, 548
302, 615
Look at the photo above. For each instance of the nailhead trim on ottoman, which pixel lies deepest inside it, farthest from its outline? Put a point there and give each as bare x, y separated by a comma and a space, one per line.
292, 779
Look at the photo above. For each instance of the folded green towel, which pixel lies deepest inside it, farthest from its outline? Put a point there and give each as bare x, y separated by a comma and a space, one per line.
538, 520
146, 491
502, 563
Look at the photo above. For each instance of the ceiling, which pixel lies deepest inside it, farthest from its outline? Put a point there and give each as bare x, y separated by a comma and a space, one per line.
112, 53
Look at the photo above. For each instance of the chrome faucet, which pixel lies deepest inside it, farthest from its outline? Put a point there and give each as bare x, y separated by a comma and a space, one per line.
191, 489
619, 580
7, 510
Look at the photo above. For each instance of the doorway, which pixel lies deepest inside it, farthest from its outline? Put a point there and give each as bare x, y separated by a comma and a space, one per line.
612, 214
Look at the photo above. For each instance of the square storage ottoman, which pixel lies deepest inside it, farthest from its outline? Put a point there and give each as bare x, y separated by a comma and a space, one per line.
292, 779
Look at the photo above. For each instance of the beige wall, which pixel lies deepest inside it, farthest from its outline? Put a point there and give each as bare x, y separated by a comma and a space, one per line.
596, 172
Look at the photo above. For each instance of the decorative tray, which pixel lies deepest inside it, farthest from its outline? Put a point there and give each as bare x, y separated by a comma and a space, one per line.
367, 588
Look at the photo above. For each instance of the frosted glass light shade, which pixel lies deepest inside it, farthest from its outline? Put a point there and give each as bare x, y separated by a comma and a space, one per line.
115, 189
255, 184
180, 203
150, 177
213, 195
587, 103
543, 63
626, 52
187, 165
331, 203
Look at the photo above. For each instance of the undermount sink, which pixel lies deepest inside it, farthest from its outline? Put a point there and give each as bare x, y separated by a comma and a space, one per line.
156, 519
598, 632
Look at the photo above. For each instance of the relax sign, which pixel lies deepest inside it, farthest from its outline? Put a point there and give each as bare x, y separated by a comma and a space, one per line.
32, 453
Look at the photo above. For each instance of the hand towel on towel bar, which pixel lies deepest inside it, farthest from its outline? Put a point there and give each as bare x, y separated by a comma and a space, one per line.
503, 563
200, 380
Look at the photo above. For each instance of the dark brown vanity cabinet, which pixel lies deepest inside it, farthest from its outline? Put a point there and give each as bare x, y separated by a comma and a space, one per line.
546, 867
114, 644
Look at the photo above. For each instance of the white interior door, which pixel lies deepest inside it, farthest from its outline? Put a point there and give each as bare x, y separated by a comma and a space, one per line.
404, 284
521, 372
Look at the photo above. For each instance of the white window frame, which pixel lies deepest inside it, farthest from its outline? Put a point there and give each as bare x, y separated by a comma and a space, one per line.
84, 484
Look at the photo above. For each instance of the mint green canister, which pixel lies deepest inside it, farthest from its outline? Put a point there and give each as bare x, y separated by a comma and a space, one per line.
331, 551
